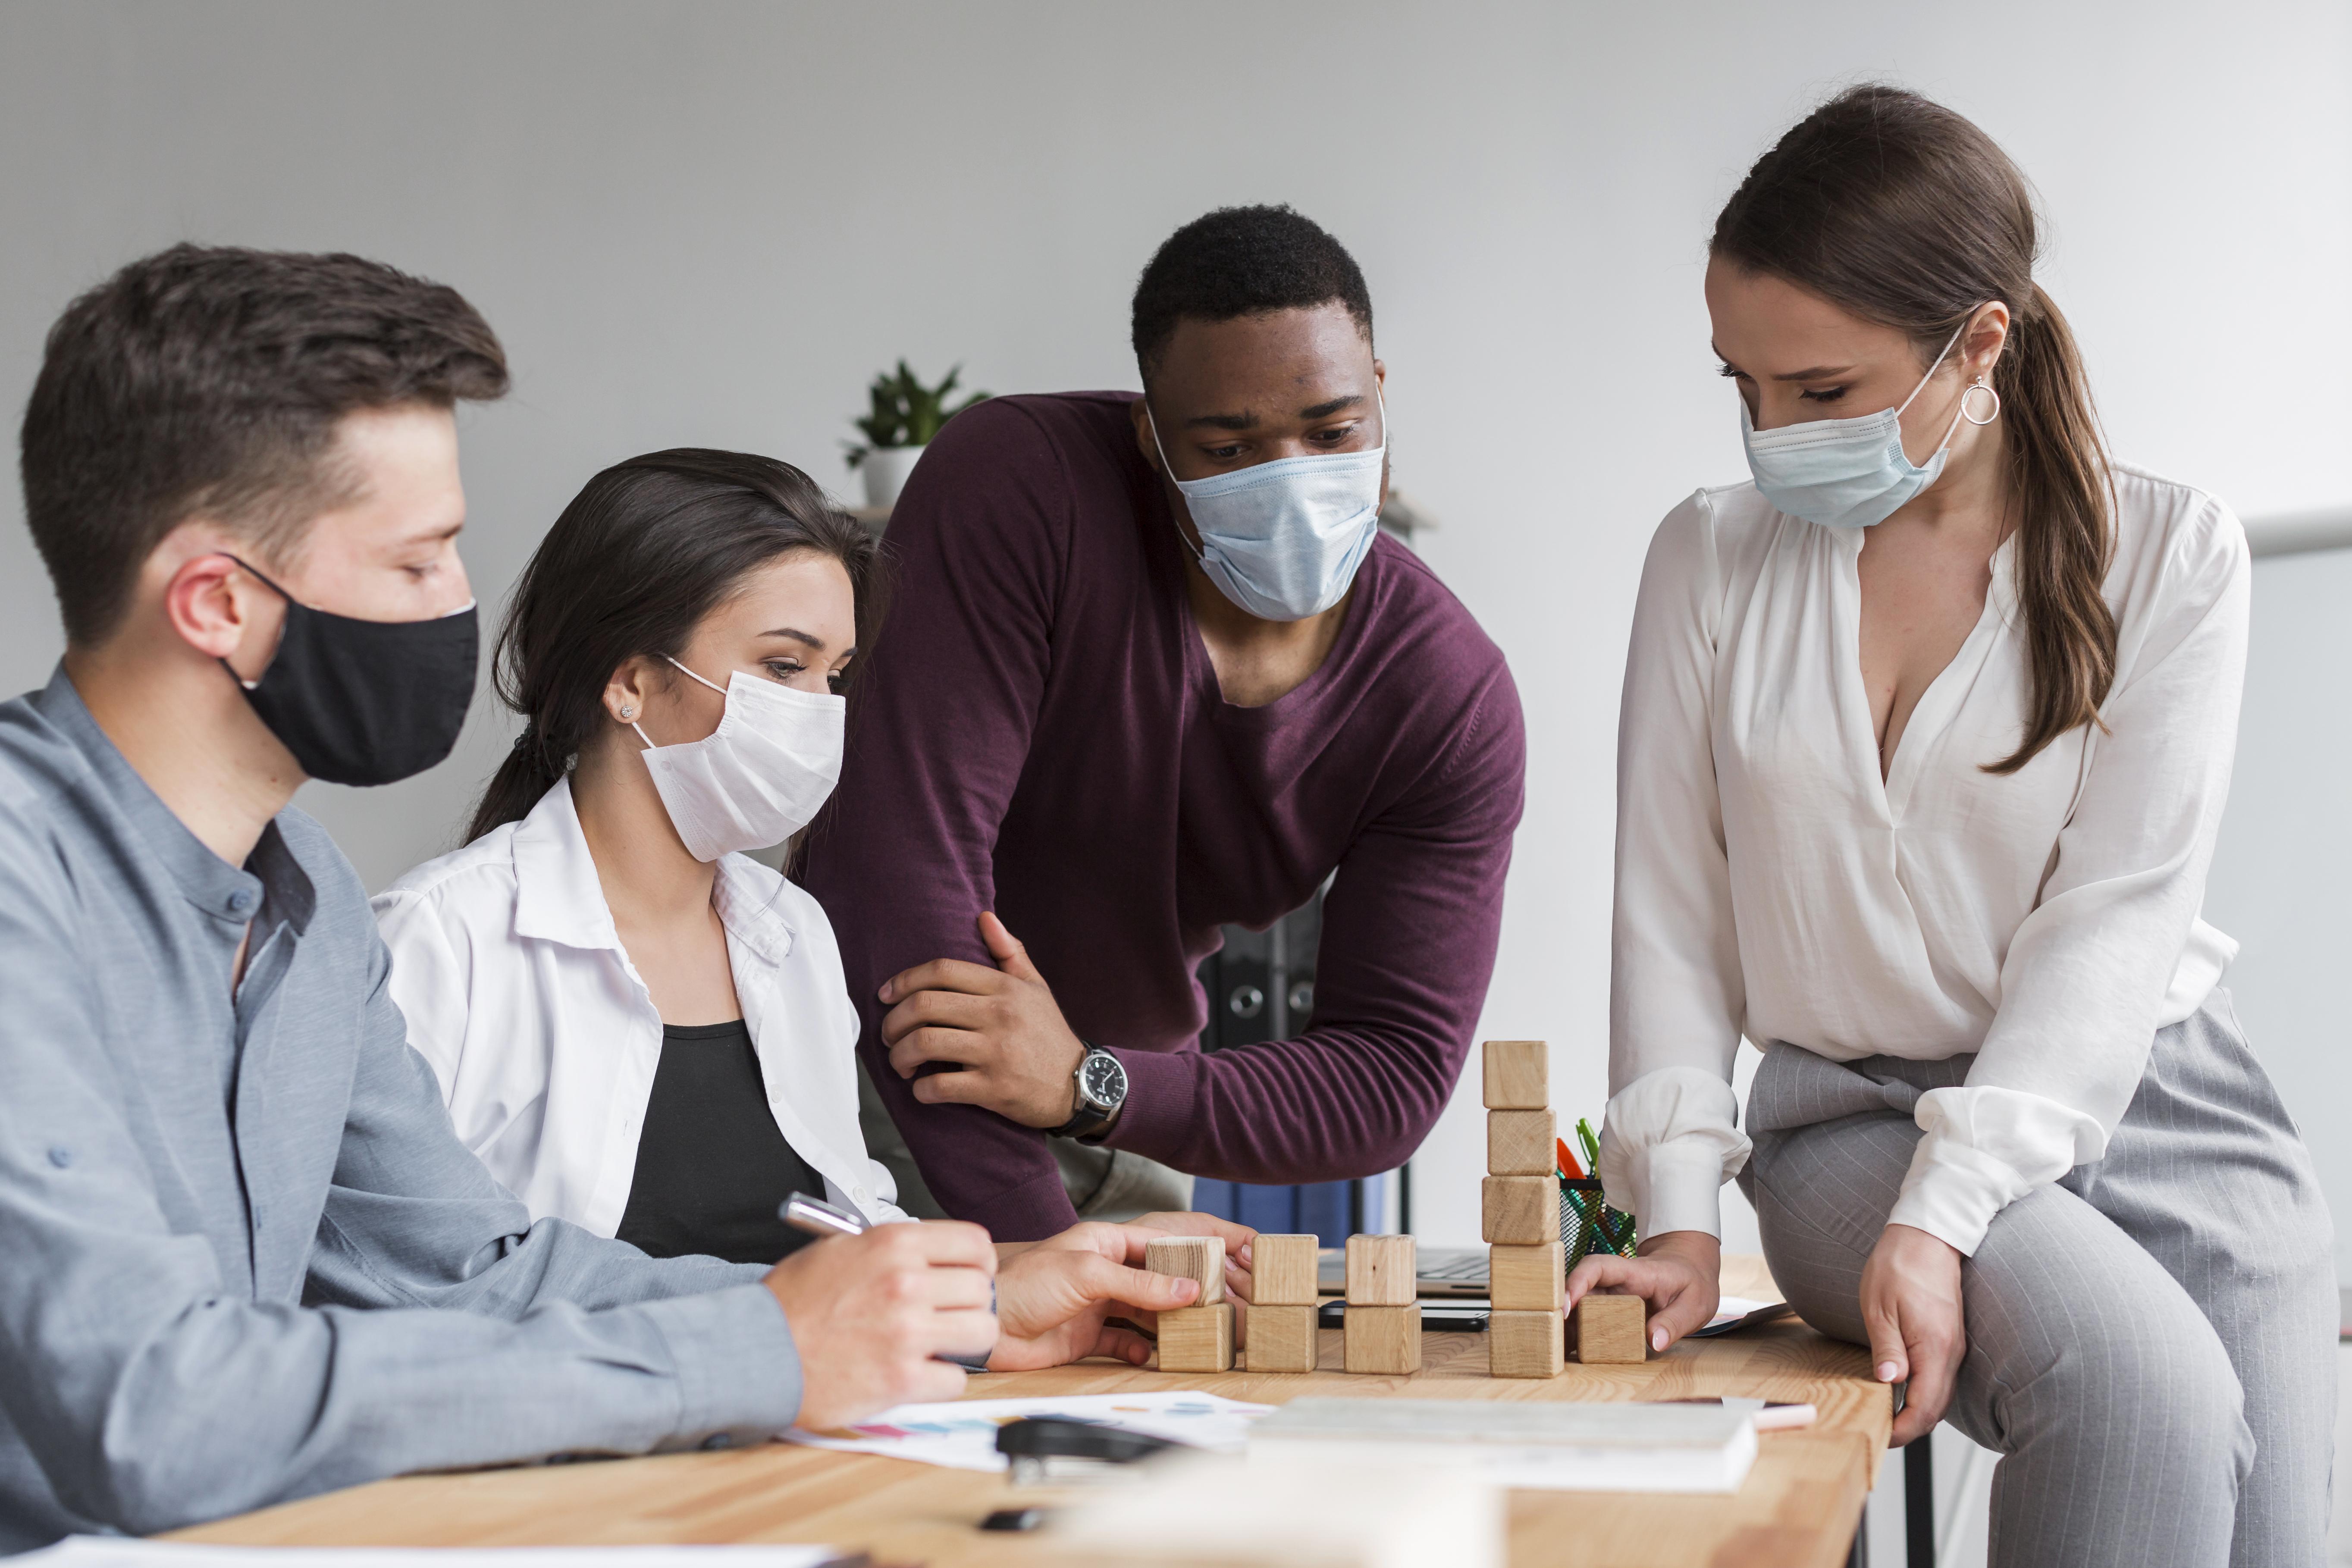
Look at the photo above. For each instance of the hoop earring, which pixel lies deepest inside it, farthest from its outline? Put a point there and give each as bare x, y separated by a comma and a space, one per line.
1979, 384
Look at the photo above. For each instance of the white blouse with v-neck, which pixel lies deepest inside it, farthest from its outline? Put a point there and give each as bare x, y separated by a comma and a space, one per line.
1768, 884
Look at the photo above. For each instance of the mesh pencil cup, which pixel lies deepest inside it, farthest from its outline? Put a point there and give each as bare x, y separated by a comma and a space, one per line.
1587, 1223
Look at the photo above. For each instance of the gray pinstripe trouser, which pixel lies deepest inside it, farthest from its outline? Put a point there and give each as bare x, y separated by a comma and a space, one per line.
2150, 1338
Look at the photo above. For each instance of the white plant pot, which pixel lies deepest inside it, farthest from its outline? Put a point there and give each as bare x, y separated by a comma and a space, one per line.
886, 469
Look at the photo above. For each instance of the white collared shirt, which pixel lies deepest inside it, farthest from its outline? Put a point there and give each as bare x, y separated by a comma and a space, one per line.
1769, 884
507, 966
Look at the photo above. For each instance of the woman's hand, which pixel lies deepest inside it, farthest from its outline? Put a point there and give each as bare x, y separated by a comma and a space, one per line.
1051, 1298
1679, 1274
1911, 1303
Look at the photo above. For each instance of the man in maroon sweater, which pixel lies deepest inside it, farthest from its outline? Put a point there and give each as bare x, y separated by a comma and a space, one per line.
1110, 714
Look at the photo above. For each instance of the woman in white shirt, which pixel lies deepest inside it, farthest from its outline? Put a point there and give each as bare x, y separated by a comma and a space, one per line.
1925, 740
638, 1027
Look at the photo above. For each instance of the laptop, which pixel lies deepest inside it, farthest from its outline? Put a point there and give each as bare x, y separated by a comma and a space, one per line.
1446, 1273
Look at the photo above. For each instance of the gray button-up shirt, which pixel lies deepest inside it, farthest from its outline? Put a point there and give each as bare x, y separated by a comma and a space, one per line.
243, 1256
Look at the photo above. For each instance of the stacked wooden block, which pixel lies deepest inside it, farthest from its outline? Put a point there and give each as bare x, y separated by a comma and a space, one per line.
1282, 1303
1527, 1274
1199, 1337
1383, 1321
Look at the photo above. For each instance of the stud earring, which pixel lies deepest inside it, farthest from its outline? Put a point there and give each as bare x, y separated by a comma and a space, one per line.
627, 714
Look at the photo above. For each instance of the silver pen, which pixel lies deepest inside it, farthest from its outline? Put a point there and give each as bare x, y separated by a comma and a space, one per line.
818, 1217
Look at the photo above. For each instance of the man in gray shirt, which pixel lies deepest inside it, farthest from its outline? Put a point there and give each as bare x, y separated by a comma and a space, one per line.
246, 1257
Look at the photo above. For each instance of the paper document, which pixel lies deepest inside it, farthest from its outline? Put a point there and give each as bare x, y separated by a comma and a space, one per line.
961, 1435
116, 1552
1737, 1311
1579, 1446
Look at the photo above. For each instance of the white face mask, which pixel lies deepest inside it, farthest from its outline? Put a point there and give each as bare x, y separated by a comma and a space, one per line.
757, 779
1849, 473
1283, 539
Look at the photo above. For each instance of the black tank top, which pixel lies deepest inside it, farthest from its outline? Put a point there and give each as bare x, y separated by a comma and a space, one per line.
711, 1166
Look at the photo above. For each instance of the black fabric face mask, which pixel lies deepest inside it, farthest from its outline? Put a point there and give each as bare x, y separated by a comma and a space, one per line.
365, 703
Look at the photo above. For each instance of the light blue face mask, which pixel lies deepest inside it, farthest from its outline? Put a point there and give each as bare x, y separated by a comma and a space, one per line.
1283, 539
1850, 473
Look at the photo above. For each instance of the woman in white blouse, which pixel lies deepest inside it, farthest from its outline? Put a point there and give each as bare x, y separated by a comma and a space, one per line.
1925, 736
638, 1027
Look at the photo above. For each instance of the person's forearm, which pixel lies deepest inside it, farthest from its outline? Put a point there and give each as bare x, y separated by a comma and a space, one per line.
226, 1410
1329, 1105
978, 1165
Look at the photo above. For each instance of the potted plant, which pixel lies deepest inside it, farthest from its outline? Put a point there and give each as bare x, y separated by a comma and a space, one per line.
905, 417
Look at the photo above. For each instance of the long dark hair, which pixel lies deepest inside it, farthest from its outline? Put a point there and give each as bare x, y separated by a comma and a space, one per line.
1901, 212
644, 550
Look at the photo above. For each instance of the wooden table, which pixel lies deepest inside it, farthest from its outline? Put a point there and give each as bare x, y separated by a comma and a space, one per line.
1799, 1506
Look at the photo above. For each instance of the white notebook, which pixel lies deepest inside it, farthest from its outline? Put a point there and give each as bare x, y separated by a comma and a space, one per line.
1595, 1445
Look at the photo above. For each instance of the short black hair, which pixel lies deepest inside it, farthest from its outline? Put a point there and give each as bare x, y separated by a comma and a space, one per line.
1243, 261
212, 379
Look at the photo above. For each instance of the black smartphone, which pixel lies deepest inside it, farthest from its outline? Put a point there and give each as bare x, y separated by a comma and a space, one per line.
1436, 1317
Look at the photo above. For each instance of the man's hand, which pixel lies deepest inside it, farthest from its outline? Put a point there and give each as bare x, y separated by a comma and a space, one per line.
1000, 1026
1679, 1274
868, 1312
1911, 1303
1236, 1237
1051, 1298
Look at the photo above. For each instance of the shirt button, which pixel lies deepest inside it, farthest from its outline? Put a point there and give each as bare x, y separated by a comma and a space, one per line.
861, 1195
60, 1156
717, 1441
240, 901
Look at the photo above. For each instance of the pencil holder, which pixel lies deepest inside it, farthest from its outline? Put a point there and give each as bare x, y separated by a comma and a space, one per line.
1587, 1223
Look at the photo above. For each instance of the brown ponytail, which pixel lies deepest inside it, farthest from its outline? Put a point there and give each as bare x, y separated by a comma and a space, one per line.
644, 550
1901, 212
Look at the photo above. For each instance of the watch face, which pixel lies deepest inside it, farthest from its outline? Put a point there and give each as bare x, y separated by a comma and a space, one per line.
1102, 1079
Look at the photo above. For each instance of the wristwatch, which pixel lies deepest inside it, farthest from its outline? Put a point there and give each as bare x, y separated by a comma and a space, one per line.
1102, 1089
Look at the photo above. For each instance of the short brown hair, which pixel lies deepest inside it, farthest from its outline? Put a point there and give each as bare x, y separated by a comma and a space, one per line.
204, 379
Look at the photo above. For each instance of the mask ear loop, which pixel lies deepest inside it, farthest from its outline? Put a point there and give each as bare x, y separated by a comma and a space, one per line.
1932, 369
1200, 556
640, 728
1962, 411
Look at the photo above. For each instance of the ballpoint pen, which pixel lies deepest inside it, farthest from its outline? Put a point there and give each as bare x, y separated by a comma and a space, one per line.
818, 1217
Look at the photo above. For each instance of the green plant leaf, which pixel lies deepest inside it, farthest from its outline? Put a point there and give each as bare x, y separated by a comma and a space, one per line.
906, 413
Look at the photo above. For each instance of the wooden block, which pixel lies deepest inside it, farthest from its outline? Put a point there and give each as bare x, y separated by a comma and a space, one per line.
1520, 1144
1197, 1339
1520, 1211
1282, 1270
1527, 1279
1381, 1271
1200, 1257
1612, 1329
1526, 1344
1281, 1339
1518, 1074
1382, 1339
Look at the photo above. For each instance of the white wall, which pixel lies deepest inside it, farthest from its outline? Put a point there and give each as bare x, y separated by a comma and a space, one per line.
2283, 871
711, 224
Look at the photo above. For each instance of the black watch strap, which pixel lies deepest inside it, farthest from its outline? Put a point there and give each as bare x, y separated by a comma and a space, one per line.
1085, 1120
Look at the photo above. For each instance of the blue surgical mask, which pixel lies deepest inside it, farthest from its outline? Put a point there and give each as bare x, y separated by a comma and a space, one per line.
1846, 473
1283, 539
